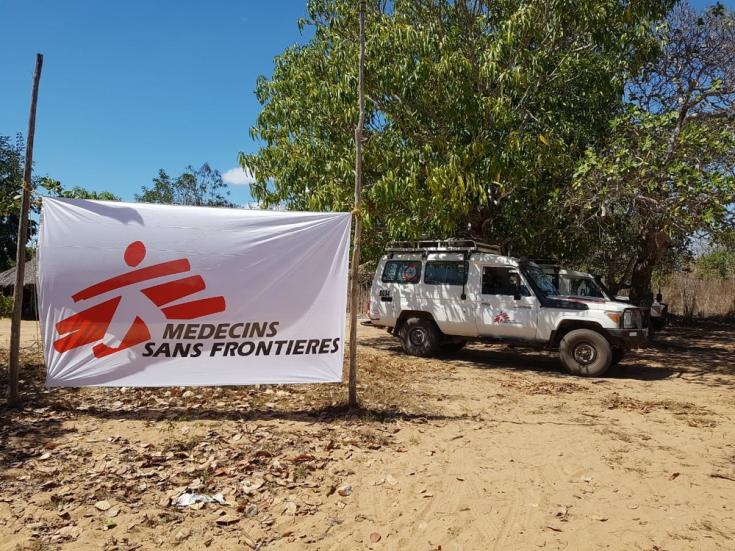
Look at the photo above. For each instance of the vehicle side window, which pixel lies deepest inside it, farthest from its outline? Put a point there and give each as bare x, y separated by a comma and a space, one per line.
445, 273
501, 281
402, 271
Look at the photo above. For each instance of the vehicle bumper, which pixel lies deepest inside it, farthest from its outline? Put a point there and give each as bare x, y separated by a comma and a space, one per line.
631, 338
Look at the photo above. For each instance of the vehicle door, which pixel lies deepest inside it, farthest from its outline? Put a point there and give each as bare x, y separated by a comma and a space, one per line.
397, 287
507, 308
444, 294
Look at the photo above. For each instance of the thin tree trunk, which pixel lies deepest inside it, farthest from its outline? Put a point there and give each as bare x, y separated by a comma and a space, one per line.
20, 258
355, 268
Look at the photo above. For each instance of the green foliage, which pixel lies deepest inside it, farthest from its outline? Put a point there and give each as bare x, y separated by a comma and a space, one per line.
633, 185
666, 172
476, 112
55, 189
196, 187
11, 183
717, 264
6, 306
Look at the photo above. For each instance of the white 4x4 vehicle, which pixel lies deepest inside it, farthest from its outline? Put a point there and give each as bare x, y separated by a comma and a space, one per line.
585, 286
437, 295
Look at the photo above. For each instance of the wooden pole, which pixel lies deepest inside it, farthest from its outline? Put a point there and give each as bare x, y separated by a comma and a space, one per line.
20, 258
355, 267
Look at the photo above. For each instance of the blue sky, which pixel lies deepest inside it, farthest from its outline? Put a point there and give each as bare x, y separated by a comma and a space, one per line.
131, 87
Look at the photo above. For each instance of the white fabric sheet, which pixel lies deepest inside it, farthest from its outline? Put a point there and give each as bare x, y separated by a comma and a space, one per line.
153, 295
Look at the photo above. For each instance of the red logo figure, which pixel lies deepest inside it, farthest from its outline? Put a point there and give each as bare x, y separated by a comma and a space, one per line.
502, 317
91, 325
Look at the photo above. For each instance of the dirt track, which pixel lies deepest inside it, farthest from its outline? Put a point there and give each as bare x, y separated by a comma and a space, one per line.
489, 449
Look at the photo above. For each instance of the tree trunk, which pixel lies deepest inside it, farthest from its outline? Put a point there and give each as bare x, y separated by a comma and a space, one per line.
654, 246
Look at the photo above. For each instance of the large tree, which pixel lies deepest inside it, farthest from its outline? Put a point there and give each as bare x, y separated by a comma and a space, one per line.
55, 189
477, 111
666, 173
195, 187
11, 182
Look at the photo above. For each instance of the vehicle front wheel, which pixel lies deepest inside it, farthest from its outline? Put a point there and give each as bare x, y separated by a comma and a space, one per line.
585, 352
419, 337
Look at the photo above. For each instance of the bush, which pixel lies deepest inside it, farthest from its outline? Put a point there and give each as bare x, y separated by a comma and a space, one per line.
717, 264
6, 306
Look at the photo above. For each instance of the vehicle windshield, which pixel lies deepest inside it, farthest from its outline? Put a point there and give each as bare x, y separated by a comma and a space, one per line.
543, 281
579, 287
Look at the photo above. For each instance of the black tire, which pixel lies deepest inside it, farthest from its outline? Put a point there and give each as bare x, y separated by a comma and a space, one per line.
419, 337
617, 355
452, 347
585, 352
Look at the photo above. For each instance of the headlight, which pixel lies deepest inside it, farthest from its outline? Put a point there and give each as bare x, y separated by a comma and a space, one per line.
629, 319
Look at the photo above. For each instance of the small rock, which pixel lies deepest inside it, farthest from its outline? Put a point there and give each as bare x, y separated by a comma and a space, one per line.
251, 510
103, 505
226, 520
375, 537
70, 531
112, 513
344, 490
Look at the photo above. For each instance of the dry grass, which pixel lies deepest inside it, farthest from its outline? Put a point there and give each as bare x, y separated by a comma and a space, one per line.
692, 296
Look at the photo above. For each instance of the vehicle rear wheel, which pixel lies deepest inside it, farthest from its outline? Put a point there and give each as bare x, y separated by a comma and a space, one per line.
452, 346
585, 352
419, 337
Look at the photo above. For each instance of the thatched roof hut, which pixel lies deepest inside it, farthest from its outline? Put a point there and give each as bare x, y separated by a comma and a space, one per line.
7, 278
7, 283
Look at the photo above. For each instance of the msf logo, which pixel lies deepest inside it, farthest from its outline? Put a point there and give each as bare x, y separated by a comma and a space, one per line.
502, 317
91, 325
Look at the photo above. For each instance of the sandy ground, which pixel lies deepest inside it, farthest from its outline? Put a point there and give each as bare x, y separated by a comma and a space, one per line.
491, 448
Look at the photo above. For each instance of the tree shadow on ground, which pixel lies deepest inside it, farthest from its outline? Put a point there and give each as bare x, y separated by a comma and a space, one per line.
706, 352
322, 414
238, 404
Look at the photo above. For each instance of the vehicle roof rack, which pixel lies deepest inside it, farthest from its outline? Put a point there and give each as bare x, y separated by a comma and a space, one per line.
546, 261
442, 245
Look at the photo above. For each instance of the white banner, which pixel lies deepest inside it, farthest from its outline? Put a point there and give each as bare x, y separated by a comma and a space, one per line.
152, 295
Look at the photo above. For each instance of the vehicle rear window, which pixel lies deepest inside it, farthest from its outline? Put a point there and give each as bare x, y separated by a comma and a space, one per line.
439, 272
402, 271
